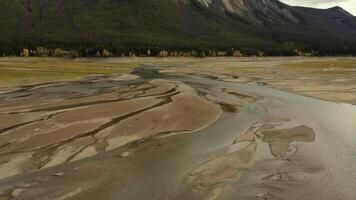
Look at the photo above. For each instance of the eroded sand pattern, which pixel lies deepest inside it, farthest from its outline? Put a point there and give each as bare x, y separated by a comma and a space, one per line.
167, 131
106, 118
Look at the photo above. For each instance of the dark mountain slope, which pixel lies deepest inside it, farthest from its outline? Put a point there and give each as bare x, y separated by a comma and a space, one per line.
136, 25
279, 17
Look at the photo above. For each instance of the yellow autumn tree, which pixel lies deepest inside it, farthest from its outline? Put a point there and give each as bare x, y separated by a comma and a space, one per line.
237, 54
25, 52
221, 53
163, 53
42, 51
106, 53
60, 52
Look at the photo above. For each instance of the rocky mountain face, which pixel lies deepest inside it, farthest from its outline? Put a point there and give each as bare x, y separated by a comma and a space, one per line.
258, 10
279, 17
274, 11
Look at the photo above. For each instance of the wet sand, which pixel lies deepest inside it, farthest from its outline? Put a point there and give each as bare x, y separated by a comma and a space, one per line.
156, 135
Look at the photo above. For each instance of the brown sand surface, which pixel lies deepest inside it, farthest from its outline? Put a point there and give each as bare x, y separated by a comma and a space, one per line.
215, 128
62, 126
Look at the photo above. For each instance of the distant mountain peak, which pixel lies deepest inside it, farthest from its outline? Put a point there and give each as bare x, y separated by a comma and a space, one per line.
339, 9
259, 10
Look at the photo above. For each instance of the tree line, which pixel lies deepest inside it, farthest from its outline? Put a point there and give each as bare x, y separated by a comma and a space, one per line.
157, 52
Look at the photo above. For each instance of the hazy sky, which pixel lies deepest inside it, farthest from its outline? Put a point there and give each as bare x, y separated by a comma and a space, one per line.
349, 5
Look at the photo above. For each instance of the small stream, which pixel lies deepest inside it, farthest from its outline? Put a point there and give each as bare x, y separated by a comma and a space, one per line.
334, 150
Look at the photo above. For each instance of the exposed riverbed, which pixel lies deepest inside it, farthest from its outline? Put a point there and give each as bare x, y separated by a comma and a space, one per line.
165, 135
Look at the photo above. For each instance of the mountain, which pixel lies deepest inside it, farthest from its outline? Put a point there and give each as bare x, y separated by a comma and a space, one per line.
331, 24
138, 25
259, 11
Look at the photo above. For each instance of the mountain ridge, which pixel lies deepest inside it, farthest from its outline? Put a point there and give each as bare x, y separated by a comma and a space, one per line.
137, 25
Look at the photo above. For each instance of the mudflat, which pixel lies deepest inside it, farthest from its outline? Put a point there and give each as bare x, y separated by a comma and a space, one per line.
178, 128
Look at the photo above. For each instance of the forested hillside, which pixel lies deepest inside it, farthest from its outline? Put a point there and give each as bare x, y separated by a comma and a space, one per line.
171, 27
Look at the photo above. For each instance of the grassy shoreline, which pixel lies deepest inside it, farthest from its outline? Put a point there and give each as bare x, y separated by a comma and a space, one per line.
19, 71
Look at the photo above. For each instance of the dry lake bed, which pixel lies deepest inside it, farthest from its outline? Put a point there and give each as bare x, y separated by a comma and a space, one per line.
178, 128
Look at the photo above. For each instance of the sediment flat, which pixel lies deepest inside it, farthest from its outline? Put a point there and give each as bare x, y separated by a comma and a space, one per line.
222, 128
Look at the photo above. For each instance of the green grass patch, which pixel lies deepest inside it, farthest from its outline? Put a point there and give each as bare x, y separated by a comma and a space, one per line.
39, 70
